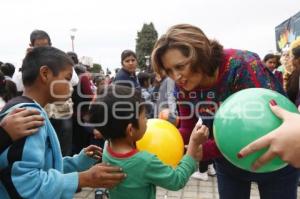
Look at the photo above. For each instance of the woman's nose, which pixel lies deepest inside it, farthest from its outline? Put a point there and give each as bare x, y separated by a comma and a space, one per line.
177, 76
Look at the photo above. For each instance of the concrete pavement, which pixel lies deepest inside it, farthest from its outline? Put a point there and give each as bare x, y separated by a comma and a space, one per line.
194, 189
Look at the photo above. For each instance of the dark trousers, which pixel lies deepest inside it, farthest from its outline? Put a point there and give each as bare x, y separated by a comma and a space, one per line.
235, 183
203, 165
81, 136
63, 129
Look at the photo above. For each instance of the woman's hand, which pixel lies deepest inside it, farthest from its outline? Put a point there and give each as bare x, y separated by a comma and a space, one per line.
101, 175
22, 122
283, 141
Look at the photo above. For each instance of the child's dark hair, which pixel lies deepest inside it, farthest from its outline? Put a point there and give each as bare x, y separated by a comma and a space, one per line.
118, 106
80, 68
292, 87
8, 89
48, 56
39, 34
296, 52
269, 56
143, 78
73, 56
127, 53
8, 69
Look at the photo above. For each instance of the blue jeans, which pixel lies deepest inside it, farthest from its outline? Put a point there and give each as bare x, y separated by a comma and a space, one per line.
235, 183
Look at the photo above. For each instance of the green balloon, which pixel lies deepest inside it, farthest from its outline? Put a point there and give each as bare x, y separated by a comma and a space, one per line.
244, 117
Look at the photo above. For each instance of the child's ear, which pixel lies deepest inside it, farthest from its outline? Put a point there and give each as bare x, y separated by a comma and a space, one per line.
129, 130
44, 73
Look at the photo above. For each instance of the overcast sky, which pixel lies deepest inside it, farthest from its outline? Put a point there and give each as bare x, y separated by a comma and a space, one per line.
106, 28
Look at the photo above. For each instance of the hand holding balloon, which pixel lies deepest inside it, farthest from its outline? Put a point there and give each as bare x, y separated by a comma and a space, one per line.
283, 141
245, 117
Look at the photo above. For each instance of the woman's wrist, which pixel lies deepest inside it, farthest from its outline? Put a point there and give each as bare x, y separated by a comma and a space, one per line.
83, 180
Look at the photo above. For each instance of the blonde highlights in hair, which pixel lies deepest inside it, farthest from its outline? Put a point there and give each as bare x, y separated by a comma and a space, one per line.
204, 55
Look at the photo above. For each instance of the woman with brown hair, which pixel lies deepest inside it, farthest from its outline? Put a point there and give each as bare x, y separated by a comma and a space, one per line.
205, 75
292, 86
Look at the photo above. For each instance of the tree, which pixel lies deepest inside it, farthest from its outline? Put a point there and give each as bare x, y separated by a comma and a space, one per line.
145, 41
96, 68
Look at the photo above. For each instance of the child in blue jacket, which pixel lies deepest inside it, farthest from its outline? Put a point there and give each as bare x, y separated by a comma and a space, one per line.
33, 167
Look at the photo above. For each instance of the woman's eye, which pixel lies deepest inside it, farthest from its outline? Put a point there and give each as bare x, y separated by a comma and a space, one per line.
168, 72
179, 67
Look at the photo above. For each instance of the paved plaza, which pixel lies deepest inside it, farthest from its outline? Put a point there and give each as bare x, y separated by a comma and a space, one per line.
194, 189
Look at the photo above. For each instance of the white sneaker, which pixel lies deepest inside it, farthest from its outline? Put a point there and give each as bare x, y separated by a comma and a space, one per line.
211, 170
200, 176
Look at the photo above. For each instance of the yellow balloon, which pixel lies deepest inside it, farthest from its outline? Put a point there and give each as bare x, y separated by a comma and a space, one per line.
164, 140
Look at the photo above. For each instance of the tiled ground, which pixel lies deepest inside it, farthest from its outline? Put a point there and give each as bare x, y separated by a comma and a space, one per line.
194, 189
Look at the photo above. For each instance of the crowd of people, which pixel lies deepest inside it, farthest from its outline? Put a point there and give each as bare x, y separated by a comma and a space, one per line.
63, 127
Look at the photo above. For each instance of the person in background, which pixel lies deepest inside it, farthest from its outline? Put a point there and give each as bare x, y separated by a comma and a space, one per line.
286, 67
8, 70
99, 81
8, 90
126, 75
292, 87
37, 38
145, 83
270, 61
82, 96
164, 98
285, 61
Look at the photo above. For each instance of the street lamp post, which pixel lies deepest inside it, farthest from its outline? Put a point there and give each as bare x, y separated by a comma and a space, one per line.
147, 57
72, 34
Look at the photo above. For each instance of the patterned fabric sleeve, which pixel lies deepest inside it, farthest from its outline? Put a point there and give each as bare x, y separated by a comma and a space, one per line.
253, 74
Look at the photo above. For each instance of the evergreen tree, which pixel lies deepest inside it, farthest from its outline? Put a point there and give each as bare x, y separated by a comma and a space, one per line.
145, 41
96, 68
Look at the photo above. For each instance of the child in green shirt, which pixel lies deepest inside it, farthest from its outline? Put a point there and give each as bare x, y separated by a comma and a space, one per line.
119, 114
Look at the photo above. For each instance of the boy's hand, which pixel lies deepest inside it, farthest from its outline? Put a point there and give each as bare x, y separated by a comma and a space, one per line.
101, 175
198, 137
22, 122
97, 134
199, 134
93, 151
